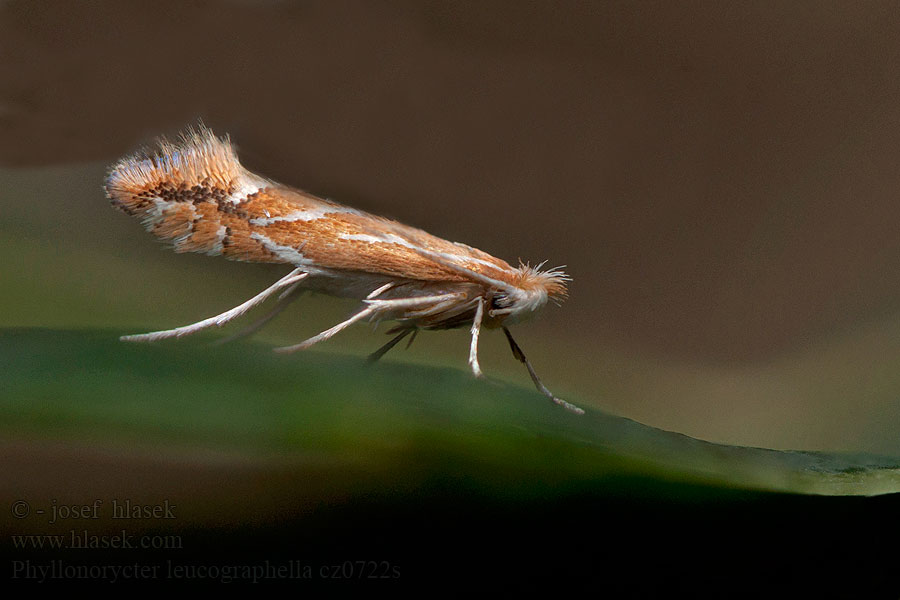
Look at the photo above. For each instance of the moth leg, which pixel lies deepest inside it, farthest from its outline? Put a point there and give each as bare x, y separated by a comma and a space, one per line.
403, 303
378, 291
291, 278
412, 339
369, 310
520, 356
473, 348
284, 300
394, 341
373, 307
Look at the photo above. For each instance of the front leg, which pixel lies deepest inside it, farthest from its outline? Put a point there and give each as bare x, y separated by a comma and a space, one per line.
476, 329
520, 356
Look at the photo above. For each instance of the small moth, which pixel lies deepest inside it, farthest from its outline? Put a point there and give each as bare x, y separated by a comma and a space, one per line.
196, 195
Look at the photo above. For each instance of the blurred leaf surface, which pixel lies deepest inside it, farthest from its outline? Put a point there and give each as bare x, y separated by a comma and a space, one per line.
389, 418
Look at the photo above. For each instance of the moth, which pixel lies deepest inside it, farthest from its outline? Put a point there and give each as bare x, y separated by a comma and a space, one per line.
195, 194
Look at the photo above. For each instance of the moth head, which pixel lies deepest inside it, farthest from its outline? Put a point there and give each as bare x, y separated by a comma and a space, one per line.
530, 290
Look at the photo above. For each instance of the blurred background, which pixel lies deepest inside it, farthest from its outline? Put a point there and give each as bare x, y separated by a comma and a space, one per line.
720, 180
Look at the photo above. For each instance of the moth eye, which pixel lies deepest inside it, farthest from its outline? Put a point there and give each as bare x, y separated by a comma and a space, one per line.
499, 301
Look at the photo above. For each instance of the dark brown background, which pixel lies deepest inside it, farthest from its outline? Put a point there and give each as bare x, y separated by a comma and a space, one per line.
721, 179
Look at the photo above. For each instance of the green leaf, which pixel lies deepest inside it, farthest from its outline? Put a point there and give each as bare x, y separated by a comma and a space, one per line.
382, 425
